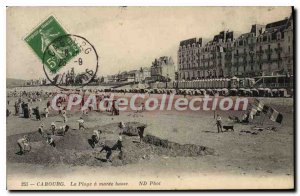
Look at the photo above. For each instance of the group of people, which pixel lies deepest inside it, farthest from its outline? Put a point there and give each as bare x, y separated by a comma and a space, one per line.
48, 135
23, 109
108, 147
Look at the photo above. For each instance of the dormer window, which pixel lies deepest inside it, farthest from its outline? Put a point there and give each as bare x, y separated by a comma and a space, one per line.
278, 36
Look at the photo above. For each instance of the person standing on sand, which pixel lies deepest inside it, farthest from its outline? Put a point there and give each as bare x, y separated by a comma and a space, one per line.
81, 123
219, 123
16, 108
20, 110
113, 108
48, 104
46, 110
64, 114
37, 113
41, 130
53, 128
29, 112
59, 105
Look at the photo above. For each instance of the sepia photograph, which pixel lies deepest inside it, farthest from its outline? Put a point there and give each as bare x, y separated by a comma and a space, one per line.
150, 98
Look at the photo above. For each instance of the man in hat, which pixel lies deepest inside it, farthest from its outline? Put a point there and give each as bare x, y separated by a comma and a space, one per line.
219, 123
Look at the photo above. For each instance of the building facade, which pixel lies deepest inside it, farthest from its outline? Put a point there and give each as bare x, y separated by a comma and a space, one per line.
197, 60
188, 58
243, 53
162, 69
142, 74
265, 50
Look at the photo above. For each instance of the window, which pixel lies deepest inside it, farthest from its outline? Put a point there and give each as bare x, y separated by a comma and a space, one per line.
269, 52
279, 51
278, 36
265, 38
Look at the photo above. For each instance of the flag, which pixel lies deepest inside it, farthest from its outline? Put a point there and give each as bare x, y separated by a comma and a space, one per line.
259, 104
257, 107
252, 113
275, 116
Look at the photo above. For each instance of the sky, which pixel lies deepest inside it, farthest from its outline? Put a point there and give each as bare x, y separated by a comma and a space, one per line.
127, 38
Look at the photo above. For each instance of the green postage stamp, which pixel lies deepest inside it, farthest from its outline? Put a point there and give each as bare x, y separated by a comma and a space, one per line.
52, 45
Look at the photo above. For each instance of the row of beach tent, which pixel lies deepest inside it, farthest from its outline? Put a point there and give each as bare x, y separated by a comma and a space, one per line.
260, 92
206, 83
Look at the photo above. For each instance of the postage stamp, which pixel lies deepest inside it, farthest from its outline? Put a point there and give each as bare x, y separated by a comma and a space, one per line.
58, 54
60, 69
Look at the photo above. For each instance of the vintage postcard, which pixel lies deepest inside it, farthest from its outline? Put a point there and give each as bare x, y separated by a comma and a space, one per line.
150, 98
